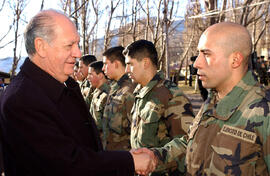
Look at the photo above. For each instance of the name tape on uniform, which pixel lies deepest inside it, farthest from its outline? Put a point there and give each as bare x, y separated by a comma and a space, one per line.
239, 133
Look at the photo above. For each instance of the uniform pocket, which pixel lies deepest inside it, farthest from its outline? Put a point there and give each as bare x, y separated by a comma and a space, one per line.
151, 113
234, 156
149, 123
115, 114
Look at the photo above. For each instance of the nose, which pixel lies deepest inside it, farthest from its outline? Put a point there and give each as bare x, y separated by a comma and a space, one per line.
198, 62
127, 70
76, 52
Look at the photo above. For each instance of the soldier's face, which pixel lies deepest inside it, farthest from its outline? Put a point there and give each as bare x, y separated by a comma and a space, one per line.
212, 63
93, 77
77, 75
83, 69
108, 68
135, 69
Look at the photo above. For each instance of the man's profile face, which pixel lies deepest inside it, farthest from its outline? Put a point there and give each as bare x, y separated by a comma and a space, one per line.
93, 77
212, 64
63, 50
83, 69
78, 76
109, 68
135, 70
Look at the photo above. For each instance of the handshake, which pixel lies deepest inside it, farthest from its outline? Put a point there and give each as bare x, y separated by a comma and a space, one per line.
145, 161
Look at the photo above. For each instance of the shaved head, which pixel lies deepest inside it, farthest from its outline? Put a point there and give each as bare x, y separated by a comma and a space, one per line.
232, 37
224, 50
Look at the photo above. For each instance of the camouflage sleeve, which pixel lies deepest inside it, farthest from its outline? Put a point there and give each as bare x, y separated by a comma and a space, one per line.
89, 97
97, 109
171, 150
129, 104
179, 116
266, 147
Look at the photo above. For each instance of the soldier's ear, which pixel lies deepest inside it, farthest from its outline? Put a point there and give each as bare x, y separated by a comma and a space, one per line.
237, 59
100, 75
146, 62
116, 63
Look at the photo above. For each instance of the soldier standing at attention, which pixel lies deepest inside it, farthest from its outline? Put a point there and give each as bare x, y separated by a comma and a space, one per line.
85, 86
231, 133
116, 128
161, 111
98, 80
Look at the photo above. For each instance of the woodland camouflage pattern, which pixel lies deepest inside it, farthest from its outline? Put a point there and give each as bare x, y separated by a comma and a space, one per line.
116, 126
160, 113
230, 136
87, 91
98, 104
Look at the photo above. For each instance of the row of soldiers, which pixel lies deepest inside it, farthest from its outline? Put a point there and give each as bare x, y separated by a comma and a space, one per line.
134, 105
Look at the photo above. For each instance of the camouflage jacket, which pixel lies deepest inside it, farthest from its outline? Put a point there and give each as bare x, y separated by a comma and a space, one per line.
98, 104
230, 136
87, 91
160, 113
116, 126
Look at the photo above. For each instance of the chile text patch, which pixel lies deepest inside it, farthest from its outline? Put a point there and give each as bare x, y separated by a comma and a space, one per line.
239, 133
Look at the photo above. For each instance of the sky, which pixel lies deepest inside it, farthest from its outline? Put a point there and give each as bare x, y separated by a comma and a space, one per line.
6, 17
32, 7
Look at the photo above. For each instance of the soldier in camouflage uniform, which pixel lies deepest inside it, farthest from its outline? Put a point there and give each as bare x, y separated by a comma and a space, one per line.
77, 76
85, 86
98, 80
231, 133
117, 119
161, 111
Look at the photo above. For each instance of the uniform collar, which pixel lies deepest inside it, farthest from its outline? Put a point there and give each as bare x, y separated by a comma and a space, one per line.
121, 81
224, 108
52, 87
140, 91
105, 87
117, 84
85, 83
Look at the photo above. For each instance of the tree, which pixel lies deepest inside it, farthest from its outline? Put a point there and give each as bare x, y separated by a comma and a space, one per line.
253, 14
108, 35
81, 11
3, 3
18, 8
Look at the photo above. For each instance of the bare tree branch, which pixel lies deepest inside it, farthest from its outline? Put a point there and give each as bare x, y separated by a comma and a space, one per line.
2, 5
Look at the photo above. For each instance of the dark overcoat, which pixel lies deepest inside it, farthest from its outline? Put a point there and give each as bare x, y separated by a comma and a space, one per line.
47, 130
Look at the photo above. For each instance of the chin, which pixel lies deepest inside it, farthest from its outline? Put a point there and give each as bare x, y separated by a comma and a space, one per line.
205, 85
134, 81
69, 73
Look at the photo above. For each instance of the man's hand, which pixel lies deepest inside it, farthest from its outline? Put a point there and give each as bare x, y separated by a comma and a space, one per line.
144, 160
